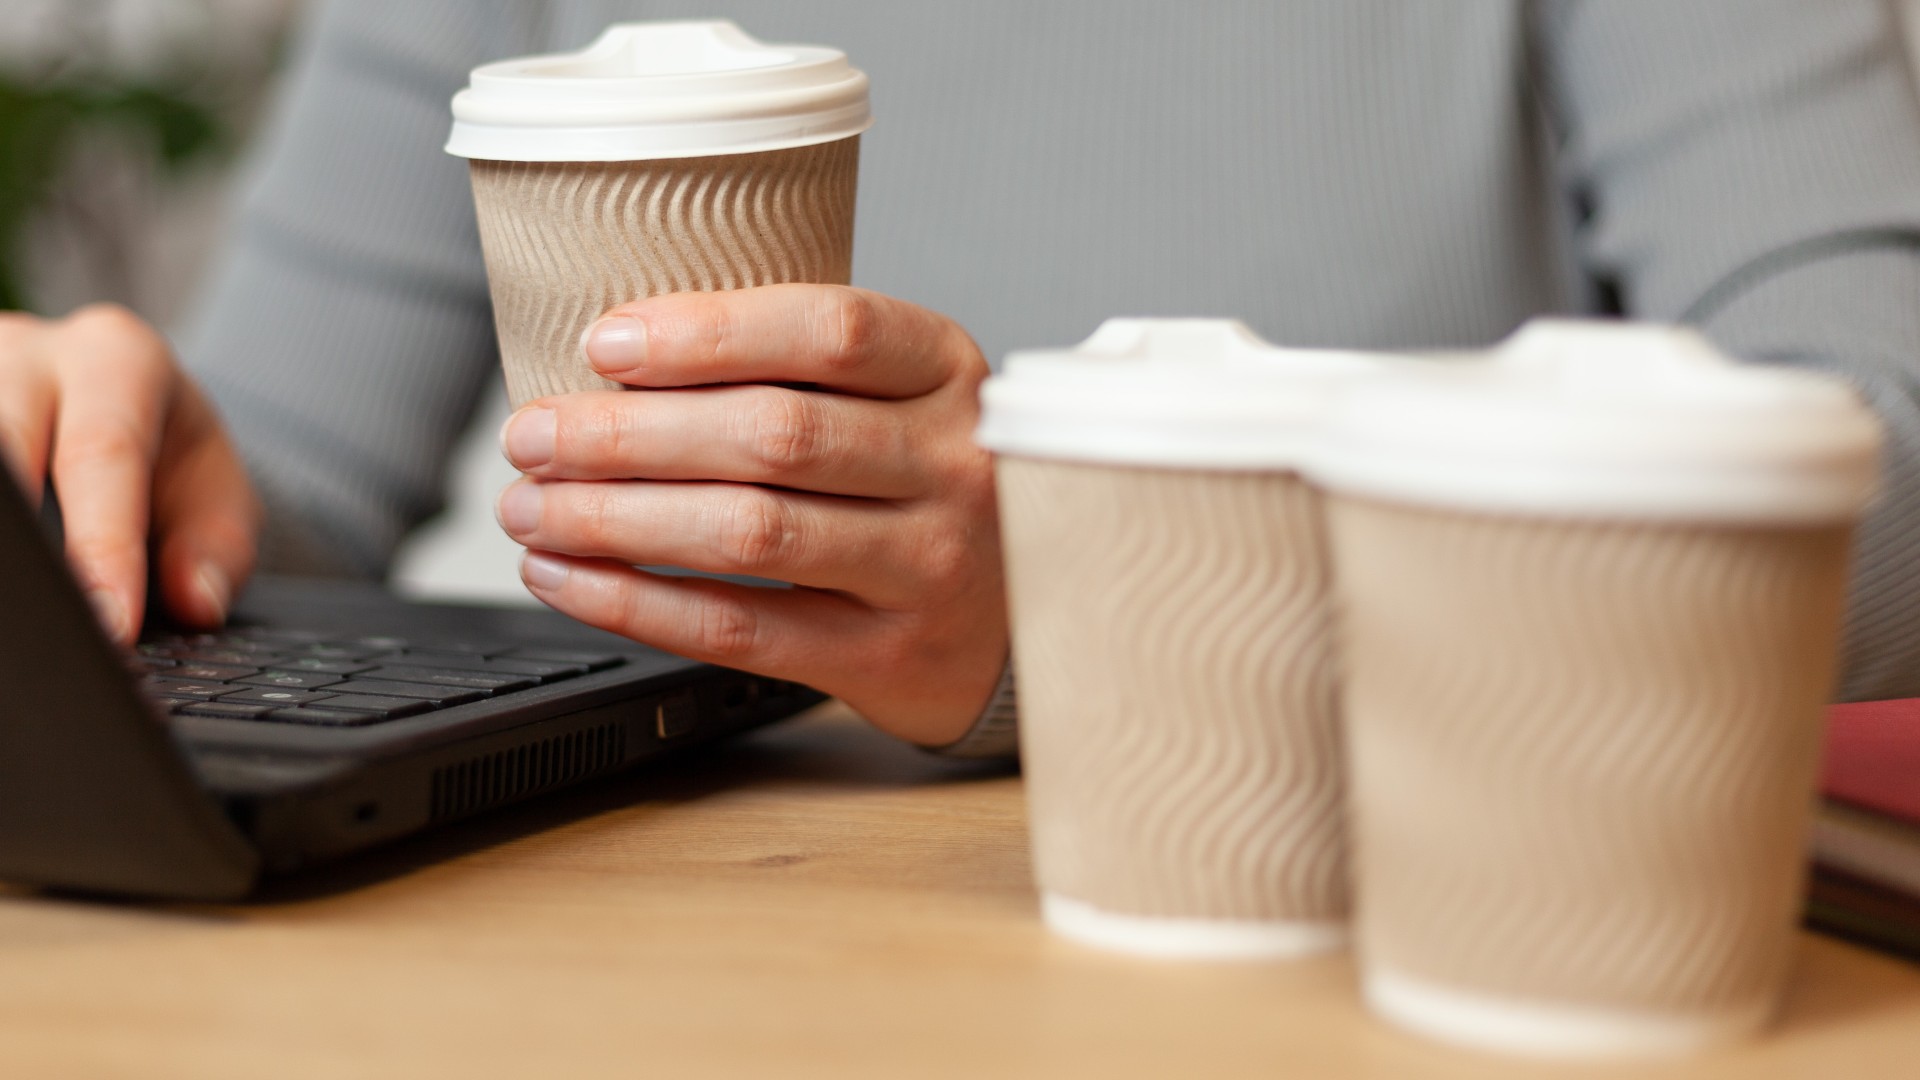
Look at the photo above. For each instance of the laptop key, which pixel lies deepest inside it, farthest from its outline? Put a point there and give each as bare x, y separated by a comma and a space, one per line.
329, 651
224, 710
287, 637
330, 667
141, 663
298, 680
327, 717
185, 688
386, 708
268, 695
193, 669
233, 643
439, 695
590, 660
471, 680
235, 657
169, 702
470, 648
544, 670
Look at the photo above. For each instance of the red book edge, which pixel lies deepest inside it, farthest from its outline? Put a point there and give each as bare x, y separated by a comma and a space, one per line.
1873, 757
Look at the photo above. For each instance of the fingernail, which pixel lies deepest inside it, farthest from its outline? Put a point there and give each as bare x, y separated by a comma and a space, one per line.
215, 592
528, 437
111, 613
615, 344
542, 571
519, 508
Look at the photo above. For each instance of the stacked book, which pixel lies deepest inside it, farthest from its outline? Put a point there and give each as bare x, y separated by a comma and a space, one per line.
1866, 839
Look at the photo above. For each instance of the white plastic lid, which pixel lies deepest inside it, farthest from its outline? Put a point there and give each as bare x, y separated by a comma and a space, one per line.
1608, 419
648, 90
1174, 393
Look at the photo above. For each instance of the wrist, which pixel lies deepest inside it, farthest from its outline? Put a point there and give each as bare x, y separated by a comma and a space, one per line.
995, 731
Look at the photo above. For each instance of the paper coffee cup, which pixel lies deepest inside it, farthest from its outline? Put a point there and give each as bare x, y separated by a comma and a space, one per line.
1590, 595
1170, 594
664, 157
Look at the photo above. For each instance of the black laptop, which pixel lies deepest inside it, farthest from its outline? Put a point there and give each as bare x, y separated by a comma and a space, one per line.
326, 718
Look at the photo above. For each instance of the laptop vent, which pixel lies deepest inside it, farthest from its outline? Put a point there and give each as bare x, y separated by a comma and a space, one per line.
499, 777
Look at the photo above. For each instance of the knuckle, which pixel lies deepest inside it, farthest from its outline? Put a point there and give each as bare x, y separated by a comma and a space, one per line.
599, 435
122, 339
948, 561
112, 318
786, 434
96, 550
612, 606
967, 478
17, 325
586, 514
757, 533
969, 369
709, 327
100, 311
728, 627
854, 323
98, 444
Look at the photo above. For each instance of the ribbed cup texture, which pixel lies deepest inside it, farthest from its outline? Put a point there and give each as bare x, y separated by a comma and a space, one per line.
565, 241
1583, 754
1172, 633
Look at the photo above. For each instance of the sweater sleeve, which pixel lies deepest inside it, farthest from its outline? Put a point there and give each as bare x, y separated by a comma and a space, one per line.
346, 334
1753, 166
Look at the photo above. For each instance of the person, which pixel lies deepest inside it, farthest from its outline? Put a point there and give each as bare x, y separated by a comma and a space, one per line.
1362, 173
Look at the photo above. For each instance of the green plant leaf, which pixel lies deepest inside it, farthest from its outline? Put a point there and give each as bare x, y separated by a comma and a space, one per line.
38, 122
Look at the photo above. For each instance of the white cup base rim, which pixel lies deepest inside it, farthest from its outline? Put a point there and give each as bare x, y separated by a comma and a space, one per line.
1180, 938
1534, 1029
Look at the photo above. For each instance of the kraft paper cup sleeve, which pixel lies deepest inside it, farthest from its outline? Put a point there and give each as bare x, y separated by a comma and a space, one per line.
566, 241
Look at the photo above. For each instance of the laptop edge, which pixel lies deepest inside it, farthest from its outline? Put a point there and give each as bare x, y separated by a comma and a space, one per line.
98, 792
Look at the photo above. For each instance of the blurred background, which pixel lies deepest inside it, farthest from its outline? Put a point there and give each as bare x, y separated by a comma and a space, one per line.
122, 125
123, 128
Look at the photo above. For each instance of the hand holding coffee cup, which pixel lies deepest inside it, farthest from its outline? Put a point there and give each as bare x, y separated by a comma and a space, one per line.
793, 428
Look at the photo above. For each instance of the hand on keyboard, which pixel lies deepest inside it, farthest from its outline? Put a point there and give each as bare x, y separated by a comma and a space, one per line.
96, 403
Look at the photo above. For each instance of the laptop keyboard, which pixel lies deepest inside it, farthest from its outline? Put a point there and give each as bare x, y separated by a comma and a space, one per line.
294, 677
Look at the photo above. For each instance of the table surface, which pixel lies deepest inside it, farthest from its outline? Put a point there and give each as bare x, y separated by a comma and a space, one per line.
814, 900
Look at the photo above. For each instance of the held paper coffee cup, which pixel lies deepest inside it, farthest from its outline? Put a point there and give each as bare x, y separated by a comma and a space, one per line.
1590, 598
1169, 586
665, 157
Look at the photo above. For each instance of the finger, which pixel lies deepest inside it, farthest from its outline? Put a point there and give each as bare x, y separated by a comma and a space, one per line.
794, 634
828, 443
845, 339
115, 379
819, 541
27, 403
206, 517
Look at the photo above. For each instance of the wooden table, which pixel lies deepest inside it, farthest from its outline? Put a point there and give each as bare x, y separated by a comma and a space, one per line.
813, 901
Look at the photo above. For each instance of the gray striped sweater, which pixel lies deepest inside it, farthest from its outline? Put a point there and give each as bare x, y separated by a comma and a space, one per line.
1370, 173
